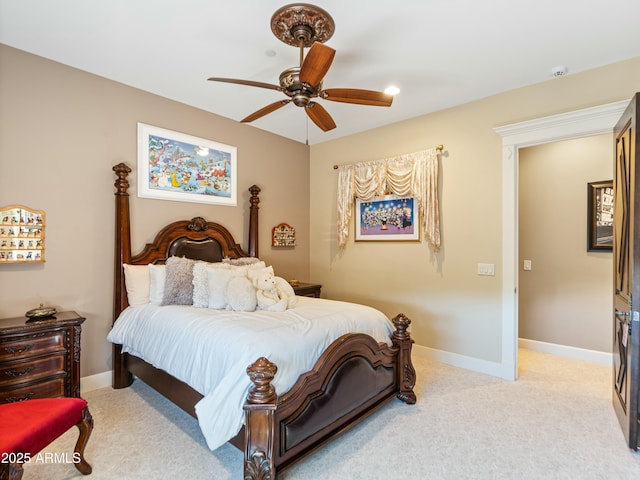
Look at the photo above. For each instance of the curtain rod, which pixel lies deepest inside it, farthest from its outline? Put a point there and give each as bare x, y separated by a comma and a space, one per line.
439, 149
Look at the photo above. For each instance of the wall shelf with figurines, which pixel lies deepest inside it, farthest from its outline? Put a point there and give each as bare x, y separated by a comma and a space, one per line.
21, 234
283, 235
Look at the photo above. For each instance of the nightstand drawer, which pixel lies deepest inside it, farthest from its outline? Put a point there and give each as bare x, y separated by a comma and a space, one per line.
40, 359
51, 388
20, 347
17, 372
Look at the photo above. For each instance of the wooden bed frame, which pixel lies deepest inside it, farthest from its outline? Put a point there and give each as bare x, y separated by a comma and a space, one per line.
355, 375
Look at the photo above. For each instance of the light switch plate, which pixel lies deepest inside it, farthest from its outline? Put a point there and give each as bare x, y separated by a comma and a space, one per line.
486, 269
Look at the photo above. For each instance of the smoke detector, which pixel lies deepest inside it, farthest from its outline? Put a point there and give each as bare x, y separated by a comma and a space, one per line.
558, 71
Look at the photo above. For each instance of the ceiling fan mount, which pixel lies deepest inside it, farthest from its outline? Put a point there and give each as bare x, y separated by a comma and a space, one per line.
307, 26
302, 23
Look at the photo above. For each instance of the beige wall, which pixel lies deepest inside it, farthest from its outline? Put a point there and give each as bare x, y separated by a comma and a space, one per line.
452, 308
566, 298
62, 130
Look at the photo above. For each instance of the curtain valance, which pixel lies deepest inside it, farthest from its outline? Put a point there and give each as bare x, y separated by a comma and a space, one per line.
412, 174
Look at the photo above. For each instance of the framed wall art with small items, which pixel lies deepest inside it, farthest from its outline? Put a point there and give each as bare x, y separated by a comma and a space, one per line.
283, 235
21, 234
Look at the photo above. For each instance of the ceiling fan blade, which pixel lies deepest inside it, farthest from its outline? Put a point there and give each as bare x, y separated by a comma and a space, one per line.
265, 110
320, 116
250, 83
316, 65
361, 97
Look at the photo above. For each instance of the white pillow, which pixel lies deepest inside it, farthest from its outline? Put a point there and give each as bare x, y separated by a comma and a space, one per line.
201, 284
156, 283
217, 280
136, 280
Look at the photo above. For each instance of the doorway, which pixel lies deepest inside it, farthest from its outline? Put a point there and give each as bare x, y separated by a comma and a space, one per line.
580, 123
564, 291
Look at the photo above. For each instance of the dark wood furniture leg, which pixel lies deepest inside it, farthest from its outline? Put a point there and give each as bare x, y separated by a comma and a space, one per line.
86, 427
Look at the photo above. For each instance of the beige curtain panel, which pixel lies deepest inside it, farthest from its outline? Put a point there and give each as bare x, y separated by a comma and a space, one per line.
413, 174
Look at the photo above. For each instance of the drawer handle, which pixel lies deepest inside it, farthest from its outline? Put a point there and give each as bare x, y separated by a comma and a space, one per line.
28, 396
13, 373
19, 350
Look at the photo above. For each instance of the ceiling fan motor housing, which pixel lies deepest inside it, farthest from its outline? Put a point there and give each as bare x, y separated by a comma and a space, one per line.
300, 93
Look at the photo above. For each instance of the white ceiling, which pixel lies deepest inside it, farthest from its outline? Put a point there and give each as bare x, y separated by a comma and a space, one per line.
440, 53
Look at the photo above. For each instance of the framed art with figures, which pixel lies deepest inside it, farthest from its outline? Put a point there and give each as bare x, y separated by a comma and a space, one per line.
184, 168
388, 218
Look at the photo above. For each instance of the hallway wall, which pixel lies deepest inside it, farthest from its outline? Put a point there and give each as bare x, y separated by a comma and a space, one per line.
566, 297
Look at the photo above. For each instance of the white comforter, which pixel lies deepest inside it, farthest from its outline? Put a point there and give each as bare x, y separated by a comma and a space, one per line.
211, 349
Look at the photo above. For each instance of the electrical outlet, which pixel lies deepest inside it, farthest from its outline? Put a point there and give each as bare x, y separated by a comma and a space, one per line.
486, 269
526, 265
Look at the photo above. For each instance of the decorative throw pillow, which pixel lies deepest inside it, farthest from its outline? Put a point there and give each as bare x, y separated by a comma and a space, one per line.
137, 282
178, 283
156, 283
241, 261
217, 280
201, 283
241, 294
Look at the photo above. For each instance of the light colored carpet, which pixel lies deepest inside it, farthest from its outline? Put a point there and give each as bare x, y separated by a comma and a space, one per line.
555, 422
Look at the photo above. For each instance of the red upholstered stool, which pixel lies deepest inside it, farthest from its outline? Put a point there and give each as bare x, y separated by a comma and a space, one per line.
29, 426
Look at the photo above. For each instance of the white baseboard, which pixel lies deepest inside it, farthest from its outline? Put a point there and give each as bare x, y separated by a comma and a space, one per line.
500, 370
595, 356
94, 382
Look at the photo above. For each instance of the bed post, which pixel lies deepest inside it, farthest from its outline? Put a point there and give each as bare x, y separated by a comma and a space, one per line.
253, 220
121, 377
406, 373
259, 422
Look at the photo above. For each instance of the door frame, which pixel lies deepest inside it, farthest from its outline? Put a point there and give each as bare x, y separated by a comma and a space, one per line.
565, 126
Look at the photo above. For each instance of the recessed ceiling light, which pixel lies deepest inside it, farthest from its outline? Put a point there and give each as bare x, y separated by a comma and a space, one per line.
270, 53
391, 90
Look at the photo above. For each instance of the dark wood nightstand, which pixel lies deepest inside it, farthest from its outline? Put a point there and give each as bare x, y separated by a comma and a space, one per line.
308, 289
40, 359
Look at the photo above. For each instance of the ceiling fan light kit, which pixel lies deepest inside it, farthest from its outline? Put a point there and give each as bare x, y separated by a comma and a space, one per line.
306, 26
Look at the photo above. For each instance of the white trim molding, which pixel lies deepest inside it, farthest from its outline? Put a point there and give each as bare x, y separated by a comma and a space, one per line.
565, 126
94, 382
593, 356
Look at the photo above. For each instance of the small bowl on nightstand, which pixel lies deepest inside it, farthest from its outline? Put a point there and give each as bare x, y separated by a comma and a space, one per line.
40, 313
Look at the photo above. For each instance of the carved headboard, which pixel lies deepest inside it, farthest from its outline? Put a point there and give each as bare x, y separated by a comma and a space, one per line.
196, 238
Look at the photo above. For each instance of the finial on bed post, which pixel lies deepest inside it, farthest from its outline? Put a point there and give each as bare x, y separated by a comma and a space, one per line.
253, 220
406, 373
261, 372
259, 425
122, 184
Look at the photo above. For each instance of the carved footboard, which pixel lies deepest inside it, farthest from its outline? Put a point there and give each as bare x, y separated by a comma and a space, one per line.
351, 380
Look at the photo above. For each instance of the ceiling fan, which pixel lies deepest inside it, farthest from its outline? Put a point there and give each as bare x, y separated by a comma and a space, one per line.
305, 26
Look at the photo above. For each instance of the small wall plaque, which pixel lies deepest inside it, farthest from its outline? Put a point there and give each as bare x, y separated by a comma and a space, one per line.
283, 235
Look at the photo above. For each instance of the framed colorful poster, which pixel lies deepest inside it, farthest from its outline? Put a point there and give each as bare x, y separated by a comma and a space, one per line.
180, 167
388, 218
